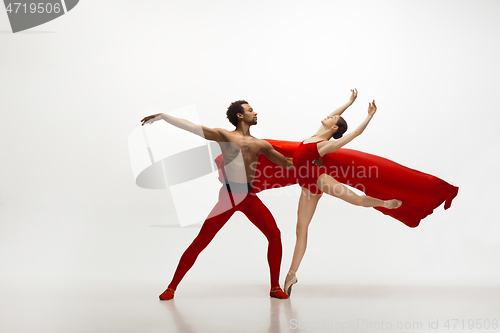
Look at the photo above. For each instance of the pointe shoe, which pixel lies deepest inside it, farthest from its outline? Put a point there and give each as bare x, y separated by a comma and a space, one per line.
167, 295
392, 204
289, 282
278, 293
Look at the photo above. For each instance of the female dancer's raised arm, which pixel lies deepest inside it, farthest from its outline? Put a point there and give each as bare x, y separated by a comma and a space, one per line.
333, 146
338, 111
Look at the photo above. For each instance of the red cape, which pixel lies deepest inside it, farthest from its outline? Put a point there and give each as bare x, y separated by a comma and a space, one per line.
376, 176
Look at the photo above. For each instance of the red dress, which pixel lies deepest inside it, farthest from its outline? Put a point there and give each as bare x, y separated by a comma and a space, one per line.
376, 176
307, 172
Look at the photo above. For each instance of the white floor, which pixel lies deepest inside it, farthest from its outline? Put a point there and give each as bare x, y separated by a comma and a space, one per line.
134, 307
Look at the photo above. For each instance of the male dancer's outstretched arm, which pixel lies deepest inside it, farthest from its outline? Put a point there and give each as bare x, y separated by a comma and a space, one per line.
276, 157
217, 134
212, 134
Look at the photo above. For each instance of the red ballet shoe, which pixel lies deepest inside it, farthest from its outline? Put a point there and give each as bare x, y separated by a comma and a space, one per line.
167, 295
278, 293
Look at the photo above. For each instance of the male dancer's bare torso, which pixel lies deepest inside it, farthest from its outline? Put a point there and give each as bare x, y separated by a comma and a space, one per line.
240, 154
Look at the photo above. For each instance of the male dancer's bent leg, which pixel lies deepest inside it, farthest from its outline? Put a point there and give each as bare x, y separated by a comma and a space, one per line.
262, 218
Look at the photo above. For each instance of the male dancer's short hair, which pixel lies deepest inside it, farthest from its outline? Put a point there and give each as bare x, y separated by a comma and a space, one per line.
233, 110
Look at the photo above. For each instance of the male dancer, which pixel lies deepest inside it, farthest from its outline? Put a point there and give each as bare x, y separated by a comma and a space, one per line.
240, 152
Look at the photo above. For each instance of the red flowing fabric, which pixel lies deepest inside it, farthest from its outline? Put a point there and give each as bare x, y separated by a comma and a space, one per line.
376, 176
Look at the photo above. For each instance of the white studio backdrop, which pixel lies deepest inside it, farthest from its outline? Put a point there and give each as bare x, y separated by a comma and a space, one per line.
74, 89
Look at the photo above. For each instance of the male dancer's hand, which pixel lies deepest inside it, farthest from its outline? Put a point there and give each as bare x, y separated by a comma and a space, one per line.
289, 163
151, 119
318, 162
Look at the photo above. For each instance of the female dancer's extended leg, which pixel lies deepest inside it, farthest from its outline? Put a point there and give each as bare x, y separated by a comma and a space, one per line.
331, 186
307, 206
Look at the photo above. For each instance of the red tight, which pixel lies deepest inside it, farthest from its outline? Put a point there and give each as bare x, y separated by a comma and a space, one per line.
250, 205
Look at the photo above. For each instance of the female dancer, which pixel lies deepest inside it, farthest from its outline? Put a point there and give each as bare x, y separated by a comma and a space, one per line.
314, 180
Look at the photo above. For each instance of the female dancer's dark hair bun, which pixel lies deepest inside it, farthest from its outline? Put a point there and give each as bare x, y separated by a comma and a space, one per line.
342, 128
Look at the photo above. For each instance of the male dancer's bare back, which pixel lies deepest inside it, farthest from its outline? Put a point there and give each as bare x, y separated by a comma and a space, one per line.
240, 153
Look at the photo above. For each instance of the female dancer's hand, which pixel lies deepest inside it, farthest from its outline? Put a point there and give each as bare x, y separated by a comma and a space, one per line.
151, 119
372, 108
354, 95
